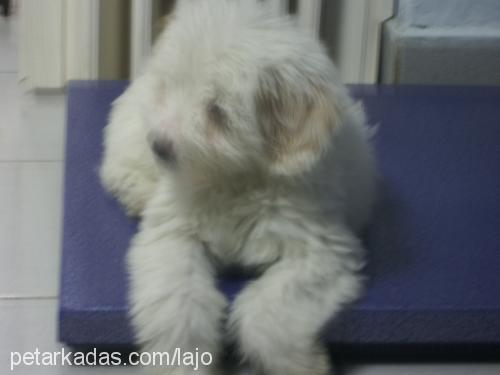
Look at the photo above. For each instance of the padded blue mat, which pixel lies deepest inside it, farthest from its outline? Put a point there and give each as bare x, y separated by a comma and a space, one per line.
434, 245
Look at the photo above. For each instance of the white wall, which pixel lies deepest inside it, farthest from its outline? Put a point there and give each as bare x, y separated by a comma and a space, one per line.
450, 13
42, 54
449, 42
59, 41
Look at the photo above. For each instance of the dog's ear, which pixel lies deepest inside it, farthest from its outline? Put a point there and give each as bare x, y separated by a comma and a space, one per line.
297, 115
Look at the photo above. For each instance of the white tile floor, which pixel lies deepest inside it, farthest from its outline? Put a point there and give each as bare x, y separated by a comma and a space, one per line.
31, 167
31, 170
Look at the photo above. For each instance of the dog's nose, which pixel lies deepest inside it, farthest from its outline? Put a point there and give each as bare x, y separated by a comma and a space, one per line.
163, 149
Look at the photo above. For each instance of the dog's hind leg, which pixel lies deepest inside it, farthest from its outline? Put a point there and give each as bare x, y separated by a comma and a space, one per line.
128, 169
277, 319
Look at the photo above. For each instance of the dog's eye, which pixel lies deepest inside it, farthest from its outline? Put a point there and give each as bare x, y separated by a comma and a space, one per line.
217, 116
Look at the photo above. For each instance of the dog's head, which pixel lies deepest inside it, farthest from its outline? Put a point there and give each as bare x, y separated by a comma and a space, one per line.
237, 90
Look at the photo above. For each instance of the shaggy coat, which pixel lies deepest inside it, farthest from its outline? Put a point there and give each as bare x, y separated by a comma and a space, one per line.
239, 146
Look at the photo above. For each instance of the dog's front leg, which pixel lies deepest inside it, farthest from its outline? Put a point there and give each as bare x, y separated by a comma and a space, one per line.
175, 305
128, 170
277, 319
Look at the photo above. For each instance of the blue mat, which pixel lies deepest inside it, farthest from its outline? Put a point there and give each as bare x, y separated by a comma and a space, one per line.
434, 245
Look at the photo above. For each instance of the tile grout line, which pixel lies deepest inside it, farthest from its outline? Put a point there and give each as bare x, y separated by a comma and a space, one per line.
27, 298
30, 161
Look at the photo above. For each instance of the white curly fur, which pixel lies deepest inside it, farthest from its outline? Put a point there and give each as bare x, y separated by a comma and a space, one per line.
263, 160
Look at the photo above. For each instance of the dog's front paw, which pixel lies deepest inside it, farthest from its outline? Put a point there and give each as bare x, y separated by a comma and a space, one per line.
132, 188
320, 365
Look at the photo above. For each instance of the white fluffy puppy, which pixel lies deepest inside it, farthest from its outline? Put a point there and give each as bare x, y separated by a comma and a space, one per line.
217, 146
